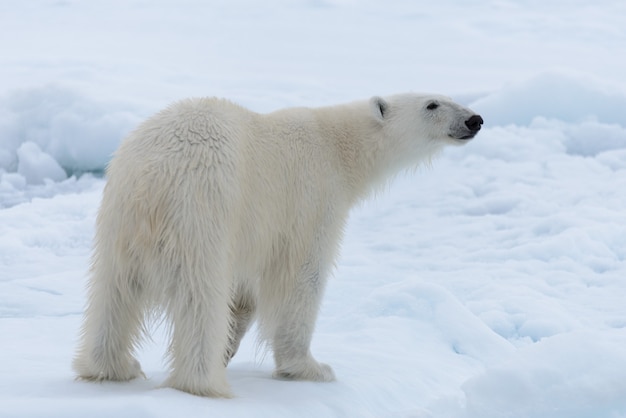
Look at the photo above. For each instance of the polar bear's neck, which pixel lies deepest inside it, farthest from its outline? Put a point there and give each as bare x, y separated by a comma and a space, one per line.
369, 155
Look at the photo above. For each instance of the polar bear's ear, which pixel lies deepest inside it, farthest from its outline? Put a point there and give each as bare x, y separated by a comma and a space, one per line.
379, 108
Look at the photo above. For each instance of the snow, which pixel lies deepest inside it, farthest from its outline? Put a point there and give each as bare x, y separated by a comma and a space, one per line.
36, 166
491, 284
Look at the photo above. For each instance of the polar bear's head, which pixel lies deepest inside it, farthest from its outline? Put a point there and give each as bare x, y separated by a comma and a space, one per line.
433, 120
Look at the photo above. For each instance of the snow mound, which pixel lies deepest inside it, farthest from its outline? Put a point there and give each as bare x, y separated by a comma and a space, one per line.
590, 138
555, 377
564, 96
79, 133
461, 330
36, 166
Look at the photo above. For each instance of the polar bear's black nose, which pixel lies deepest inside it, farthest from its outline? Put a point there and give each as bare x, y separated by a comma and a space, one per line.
474, 123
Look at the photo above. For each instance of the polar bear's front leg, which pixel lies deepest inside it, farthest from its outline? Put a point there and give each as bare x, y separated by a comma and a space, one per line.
293, 325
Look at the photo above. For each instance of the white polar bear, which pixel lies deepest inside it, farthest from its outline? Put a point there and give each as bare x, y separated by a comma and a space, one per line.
217, 216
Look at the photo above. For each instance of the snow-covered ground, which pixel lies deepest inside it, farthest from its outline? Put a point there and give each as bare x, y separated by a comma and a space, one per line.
492, 284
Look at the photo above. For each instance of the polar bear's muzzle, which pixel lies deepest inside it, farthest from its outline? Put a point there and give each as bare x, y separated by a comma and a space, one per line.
471, 128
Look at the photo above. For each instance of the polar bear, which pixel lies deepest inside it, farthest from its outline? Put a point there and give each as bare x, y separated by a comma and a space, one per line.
215, 216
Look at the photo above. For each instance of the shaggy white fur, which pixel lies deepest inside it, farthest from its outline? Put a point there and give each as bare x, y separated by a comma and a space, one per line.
217, 216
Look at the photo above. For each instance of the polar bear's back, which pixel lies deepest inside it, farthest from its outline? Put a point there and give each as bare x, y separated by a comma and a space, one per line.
188, 126
207, 164
178, 172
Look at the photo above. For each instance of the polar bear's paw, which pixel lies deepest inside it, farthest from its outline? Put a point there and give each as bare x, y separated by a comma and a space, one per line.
199, 385
117, 371
309, 370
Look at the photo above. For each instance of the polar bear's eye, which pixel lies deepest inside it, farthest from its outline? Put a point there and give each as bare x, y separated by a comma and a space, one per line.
432, 106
